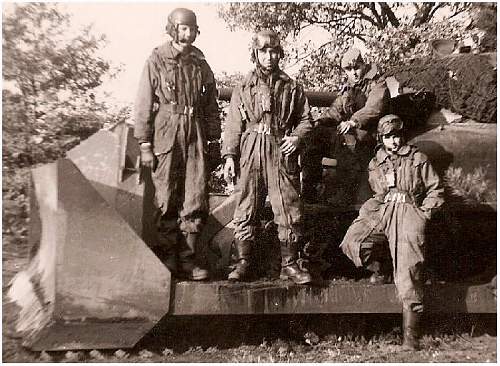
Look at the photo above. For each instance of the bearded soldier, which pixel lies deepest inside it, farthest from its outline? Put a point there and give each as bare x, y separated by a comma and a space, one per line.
407, 192
176, 116
268, 123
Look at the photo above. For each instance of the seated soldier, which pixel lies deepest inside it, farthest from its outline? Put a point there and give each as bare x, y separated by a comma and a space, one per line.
348, 125
407, 192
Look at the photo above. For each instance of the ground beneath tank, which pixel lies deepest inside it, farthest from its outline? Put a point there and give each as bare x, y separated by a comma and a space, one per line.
271, 338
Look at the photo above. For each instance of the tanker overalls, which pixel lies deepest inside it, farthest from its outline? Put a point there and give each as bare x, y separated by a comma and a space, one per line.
407, 191
261, 113
177, 111
364, 103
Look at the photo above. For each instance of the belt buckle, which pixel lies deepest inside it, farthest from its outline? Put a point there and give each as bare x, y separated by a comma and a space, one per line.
263, 129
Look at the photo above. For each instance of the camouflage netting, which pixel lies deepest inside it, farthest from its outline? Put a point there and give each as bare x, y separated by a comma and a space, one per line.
466, 83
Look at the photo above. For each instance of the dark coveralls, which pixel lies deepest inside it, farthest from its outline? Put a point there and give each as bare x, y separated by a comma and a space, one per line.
407, 190
261, 113
364, 103
176, 110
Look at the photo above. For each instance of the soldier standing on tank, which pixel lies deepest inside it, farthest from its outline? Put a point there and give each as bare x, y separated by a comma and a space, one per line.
268, 122
407, 192
176, 116
350, 121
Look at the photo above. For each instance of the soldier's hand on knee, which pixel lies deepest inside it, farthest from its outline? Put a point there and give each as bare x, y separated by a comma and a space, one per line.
289, 144
229, 170
345, 127
147, 156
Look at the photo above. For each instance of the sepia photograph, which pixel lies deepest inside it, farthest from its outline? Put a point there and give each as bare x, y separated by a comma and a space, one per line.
249, 182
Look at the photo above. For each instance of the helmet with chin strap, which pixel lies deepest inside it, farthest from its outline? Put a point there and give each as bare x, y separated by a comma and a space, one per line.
389, 124
265, 38
180, 16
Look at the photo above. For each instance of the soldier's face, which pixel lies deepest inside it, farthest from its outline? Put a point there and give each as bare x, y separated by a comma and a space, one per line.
355, 72
186, 34
268, 58
392, 142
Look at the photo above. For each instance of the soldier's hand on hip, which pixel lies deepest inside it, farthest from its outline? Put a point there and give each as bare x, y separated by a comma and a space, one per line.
289, 144
229, 170
147, 156
345, 126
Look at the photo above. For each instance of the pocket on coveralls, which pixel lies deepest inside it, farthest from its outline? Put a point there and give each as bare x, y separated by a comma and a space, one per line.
165, 134
416, 230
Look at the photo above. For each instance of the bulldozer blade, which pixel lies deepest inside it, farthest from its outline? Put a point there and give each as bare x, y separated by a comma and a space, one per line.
91, 282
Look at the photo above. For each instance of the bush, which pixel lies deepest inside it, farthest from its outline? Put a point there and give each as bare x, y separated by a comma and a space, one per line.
472, 188
59, 127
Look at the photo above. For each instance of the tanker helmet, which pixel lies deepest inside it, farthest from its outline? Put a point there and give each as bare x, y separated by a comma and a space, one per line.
266, 38
180, 16
351, 58
389, 124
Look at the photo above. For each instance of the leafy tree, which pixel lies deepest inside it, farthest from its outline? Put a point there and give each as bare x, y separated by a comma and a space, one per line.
49, 105
341, 19
53, 70
41, 60
392, 32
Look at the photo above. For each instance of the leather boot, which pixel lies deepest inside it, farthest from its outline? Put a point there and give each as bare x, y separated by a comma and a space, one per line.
190, 258
289, 268
244, 250
411, 330
166, 248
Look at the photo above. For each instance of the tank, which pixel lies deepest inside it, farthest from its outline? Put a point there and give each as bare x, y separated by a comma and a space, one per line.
94, 280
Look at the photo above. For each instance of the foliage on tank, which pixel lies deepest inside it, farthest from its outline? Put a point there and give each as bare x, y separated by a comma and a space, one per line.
464, 83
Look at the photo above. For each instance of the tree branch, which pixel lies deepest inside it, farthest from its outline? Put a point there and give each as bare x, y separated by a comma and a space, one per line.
433, 11
379, 20
423, 13
303, 57
387, 12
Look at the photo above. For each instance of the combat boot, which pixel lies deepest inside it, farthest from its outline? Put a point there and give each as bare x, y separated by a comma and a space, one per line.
244, 249
289, 268
411, 330
169, 258
166, 247
189, 265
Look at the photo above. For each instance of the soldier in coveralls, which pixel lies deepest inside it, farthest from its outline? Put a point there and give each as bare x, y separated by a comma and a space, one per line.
268, 122
176, 116
407, 192
349, 124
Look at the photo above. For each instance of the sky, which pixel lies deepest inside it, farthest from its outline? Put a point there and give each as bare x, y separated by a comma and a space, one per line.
134, 29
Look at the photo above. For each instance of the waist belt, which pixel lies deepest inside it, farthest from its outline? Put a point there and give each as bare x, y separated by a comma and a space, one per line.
262, 128
399, 197
177, 108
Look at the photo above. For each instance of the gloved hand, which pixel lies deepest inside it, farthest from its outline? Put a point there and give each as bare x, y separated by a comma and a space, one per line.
148, 159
